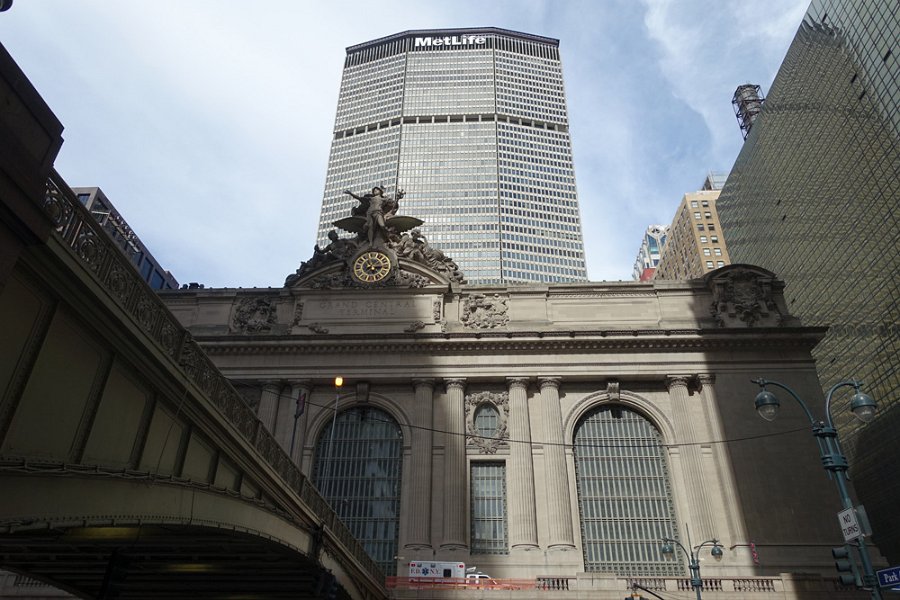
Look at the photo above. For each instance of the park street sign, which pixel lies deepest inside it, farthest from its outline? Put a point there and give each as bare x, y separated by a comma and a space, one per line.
849, 524
889, 577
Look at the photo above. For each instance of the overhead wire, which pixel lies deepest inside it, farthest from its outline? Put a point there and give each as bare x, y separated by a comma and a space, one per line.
563, 444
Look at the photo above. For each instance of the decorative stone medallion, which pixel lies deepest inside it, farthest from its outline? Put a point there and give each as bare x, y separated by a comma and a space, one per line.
499, 402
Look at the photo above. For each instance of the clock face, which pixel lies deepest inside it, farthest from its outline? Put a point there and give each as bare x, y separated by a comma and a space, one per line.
371, 267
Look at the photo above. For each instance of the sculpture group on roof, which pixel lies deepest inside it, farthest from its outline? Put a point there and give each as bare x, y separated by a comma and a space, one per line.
376, 225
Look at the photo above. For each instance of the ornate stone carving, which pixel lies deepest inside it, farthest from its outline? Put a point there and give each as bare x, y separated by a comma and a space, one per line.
743, 297
380, 230
436, 310
414, 327
254, 315
498, 401
401, 279
480, 311
298, 314
316, 328
612, 390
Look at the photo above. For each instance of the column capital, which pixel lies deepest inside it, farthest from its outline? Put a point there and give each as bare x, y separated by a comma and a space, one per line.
706, 379
270, 383
675, 381
455, 383
301, 383
549, 382
419, 382
518, 382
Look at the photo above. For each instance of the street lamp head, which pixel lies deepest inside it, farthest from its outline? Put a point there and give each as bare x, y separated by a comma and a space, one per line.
767, 405
863, 406
716, 552
667, 549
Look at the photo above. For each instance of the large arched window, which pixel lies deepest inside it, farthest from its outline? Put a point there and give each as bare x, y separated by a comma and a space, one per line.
624, 494
358, 472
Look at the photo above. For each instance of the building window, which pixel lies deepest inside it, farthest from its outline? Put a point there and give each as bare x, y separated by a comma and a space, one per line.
705, 203
706, 252
693, 204
487, 420
708, 215
489, 508
702, 239
699, 226
720, 263
714, 239
709, 264
696, 215
717, 251
358, 473
624, 494
711, 226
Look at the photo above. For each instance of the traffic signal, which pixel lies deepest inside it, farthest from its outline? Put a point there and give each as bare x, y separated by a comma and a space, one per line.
843, 562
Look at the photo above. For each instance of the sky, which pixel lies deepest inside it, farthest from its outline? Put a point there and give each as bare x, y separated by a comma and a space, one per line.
208, 123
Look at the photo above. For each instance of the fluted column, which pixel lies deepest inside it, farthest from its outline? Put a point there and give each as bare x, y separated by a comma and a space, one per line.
559, 507
522, 517
692, 468
419, 535
454, 525
268, 404
301, 389
730, 500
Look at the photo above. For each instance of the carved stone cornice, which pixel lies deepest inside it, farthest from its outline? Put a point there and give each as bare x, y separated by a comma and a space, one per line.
748, 339
549, 382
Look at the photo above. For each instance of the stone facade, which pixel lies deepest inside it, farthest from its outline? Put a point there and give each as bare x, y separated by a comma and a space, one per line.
678, 353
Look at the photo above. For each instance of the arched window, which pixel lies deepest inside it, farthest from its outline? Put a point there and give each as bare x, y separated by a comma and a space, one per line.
624, 494
358, 472
487, 420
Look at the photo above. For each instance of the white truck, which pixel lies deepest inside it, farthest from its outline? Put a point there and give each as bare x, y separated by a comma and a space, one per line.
422, 569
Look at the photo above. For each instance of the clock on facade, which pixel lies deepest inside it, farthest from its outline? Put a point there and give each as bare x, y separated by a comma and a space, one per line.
372, 266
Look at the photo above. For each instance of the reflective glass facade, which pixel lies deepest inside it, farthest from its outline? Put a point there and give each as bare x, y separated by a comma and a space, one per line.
624, 494
472, 125
815, 197
358, 473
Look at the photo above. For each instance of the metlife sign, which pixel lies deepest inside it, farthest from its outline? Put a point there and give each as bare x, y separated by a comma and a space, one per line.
450, 40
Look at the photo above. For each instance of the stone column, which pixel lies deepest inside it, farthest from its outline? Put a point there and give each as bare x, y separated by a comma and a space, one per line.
700, 508
522, 513
268, 404
301, 390
419, 536
454, 525
559, 507
730, 501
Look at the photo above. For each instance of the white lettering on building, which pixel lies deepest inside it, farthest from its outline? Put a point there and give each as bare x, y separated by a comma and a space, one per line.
450, 40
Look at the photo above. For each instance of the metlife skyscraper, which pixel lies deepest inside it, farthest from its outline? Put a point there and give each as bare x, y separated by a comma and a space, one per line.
472, 125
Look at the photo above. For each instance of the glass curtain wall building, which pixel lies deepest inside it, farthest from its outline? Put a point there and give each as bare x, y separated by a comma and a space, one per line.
472, 125
815, 197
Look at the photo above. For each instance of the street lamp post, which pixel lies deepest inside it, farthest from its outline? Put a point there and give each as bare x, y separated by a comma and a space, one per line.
693, 557
833, 459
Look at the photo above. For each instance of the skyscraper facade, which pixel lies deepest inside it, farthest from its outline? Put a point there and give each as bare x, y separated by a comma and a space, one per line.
814, 196
472, 124
648, 254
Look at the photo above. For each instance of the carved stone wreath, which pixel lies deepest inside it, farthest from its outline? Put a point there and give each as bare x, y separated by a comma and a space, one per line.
480, 311
500, 402
254, 315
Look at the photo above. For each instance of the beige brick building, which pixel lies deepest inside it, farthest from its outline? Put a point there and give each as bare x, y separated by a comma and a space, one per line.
695, 244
